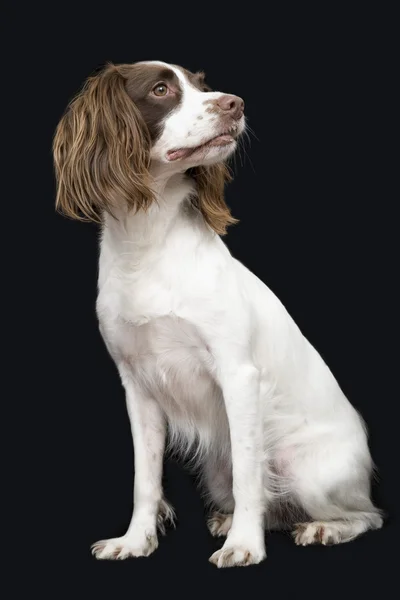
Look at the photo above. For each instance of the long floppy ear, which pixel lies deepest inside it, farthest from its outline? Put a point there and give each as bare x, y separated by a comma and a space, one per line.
210, 200
101, 151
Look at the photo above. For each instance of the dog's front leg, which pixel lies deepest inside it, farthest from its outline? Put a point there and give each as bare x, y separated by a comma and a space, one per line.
148, 432
240, 382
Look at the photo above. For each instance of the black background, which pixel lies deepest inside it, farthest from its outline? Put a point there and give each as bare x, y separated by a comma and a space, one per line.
314, 199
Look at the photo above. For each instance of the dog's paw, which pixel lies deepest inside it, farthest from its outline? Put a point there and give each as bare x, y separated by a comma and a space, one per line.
316, 533
125, 547
219, 524
235, 555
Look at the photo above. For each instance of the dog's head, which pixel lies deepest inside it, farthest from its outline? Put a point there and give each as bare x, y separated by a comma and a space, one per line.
131, 116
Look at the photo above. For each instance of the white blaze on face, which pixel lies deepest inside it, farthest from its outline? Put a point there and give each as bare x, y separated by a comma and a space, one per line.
195, 122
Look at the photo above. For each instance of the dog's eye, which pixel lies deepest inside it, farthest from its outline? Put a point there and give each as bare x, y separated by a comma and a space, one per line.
160, 89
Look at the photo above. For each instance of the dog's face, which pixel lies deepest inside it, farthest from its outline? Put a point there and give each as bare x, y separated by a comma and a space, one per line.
189, 124
131, 116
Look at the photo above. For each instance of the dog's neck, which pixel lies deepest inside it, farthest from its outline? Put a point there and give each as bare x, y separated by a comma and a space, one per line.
144, 229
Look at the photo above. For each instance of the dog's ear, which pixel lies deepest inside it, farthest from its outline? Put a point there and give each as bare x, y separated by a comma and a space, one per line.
101, 151
210, 199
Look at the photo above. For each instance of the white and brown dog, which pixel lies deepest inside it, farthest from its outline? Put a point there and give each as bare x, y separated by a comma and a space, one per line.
202, 346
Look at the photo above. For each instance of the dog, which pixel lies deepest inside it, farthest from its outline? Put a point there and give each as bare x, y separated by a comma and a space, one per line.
208, 356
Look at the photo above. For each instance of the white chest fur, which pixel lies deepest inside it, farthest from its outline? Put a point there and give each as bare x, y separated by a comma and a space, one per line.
155, 285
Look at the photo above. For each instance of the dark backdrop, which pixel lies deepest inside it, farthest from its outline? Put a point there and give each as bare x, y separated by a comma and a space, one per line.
313, 199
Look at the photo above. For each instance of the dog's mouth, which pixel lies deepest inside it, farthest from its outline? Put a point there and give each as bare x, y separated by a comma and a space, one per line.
223, 139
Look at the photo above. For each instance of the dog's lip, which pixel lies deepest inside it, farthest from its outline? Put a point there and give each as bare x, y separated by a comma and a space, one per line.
222, 139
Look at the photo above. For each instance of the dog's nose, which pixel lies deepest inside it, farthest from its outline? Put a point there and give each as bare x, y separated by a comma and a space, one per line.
231, 105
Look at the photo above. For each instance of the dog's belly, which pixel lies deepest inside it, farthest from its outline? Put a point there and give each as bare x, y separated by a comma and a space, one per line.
171, 363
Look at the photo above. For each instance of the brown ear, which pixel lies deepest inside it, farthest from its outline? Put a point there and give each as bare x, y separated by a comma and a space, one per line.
101, 151
210, 200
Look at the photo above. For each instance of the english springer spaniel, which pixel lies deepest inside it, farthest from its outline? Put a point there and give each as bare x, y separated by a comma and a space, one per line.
205, 351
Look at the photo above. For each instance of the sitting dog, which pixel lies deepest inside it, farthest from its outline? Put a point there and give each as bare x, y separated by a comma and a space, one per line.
204, 349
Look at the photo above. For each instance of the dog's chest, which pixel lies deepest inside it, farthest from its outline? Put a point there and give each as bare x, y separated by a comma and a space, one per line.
185, 275
170, 362
153, 310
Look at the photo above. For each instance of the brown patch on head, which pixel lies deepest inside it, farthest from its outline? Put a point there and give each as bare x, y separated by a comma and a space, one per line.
102, 144
140, 81
102, 151
197, 79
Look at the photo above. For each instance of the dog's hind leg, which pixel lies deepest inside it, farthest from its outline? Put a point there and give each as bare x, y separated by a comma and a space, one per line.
332, 484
